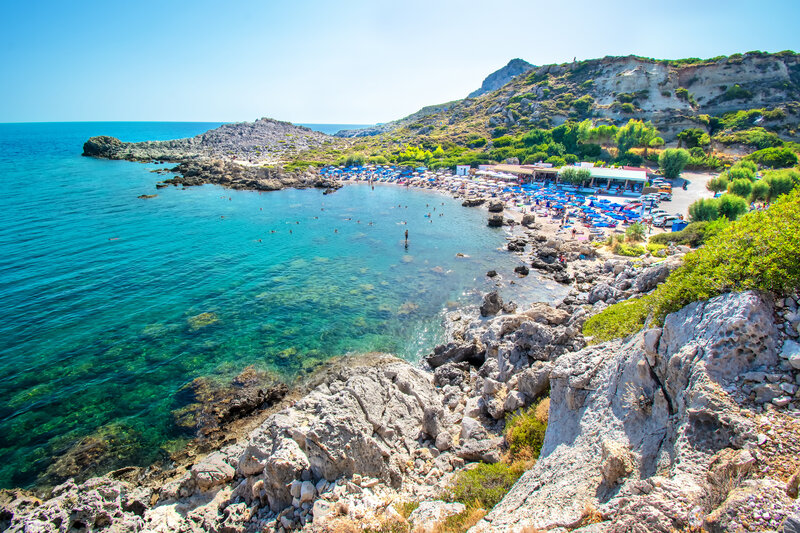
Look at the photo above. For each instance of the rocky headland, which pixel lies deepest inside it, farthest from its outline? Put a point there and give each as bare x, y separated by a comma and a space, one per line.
244, 155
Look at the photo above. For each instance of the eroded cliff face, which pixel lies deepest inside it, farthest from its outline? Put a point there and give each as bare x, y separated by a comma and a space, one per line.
651, 433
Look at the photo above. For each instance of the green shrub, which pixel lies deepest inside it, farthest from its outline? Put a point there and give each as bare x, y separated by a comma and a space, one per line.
718, 184
741, 187
693, 137
757, 137
618, 320
736, 93
485, 484
731, 206
506, 140
556, 161
774, 157
477, 142
692, 235
525, 433
633, 250
741, 173
628, 108
759, 191
758, 252
653, 248
635, 232
673, 161
704, 209
781, 182
682, 94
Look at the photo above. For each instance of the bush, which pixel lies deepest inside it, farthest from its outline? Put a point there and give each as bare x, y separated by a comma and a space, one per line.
692, 235
635, 232
731, 206
781, 182
485, 484
672, 162
718, 184
355, 160
535, 158
759, 191
693, 137
618, 320
628, 108
704, 209
525, 433
556, 161
757, 252
741, 187
477, 142
741, 173
506, 140
774, 157
634, 250
736, 93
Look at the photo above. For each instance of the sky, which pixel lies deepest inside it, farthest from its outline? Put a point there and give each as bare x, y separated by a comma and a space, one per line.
342, 62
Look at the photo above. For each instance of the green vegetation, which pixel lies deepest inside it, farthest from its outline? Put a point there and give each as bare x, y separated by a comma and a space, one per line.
774, 157
634, 134
741, 187
736, 93
480, 488
693, 137
757, 137
525, 432
728, 205
575, 176
673, 161
635, 232
618, 320
692, 235
628, 250
718, 184
757, 252
781, 182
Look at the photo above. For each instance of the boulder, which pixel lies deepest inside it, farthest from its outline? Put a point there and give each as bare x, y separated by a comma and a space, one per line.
492, 304
212, 471
603, 292
535, 381
651, 276
473, 202
495, 221
522, 270
616, 461
528, 219
453, 352
791, 352
495, 206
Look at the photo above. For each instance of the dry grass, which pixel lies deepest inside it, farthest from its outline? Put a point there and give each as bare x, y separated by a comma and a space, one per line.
543, 411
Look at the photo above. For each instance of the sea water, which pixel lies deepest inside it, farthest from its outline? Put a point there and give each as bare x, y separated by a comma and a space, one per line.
109, 304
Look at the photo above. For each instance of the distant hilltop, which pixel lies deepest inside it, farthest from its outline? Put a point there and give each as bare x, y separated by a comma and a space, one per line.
497, 79
673, 94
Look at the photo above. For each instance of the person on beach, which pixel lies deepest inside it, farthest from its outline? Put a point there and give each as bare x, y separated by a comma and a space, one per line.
406, 239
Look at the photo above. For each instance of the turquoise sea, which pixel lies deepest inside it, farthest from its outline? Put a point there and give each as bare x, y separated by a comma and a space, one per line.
98, 287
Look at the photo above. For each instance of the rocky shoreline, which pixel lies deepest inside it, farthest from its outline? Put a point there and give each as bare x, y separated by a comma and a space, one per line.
681, 427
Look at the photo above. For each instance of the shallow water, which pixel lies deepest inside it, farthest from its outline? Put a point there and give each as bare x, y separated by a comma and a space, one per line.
101, 291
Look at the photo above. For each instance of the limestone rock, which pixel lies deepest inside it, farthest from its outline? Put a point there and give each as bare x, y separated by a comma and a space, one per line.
616, 461
431, 513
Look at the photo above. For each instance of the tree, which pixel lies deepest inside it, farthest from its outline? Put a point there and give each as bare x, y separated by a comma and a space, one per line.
741, 173
438, 153
635, 133
656, 142
741, 187
704, 210
731, 206
574, 175
635, 232
672, 162
718, 184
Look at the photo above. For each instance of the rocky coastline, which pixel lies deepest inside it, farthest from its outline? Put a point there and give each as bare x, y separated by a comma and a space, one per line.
691, 425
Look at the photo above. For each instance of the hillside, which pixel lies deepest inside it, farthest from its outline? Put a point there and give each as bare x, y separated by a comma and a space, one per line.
674, 95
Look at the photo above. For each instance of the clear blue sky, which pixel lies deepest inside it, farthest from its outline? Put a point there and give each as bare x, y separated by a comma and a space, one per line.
360, 61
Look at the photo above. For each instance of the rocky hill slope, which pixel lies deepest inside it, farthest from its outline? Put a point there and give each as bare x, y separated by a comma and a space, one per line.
674, 95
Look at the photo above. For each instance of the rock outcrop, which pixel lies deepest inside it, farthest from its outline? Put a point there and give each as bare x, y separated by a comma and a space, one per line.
634, 428
497, 79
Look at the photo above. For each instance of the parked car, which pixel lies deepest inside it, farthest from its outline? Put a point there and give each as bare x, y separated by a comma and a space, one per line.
665, 196
663, 221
